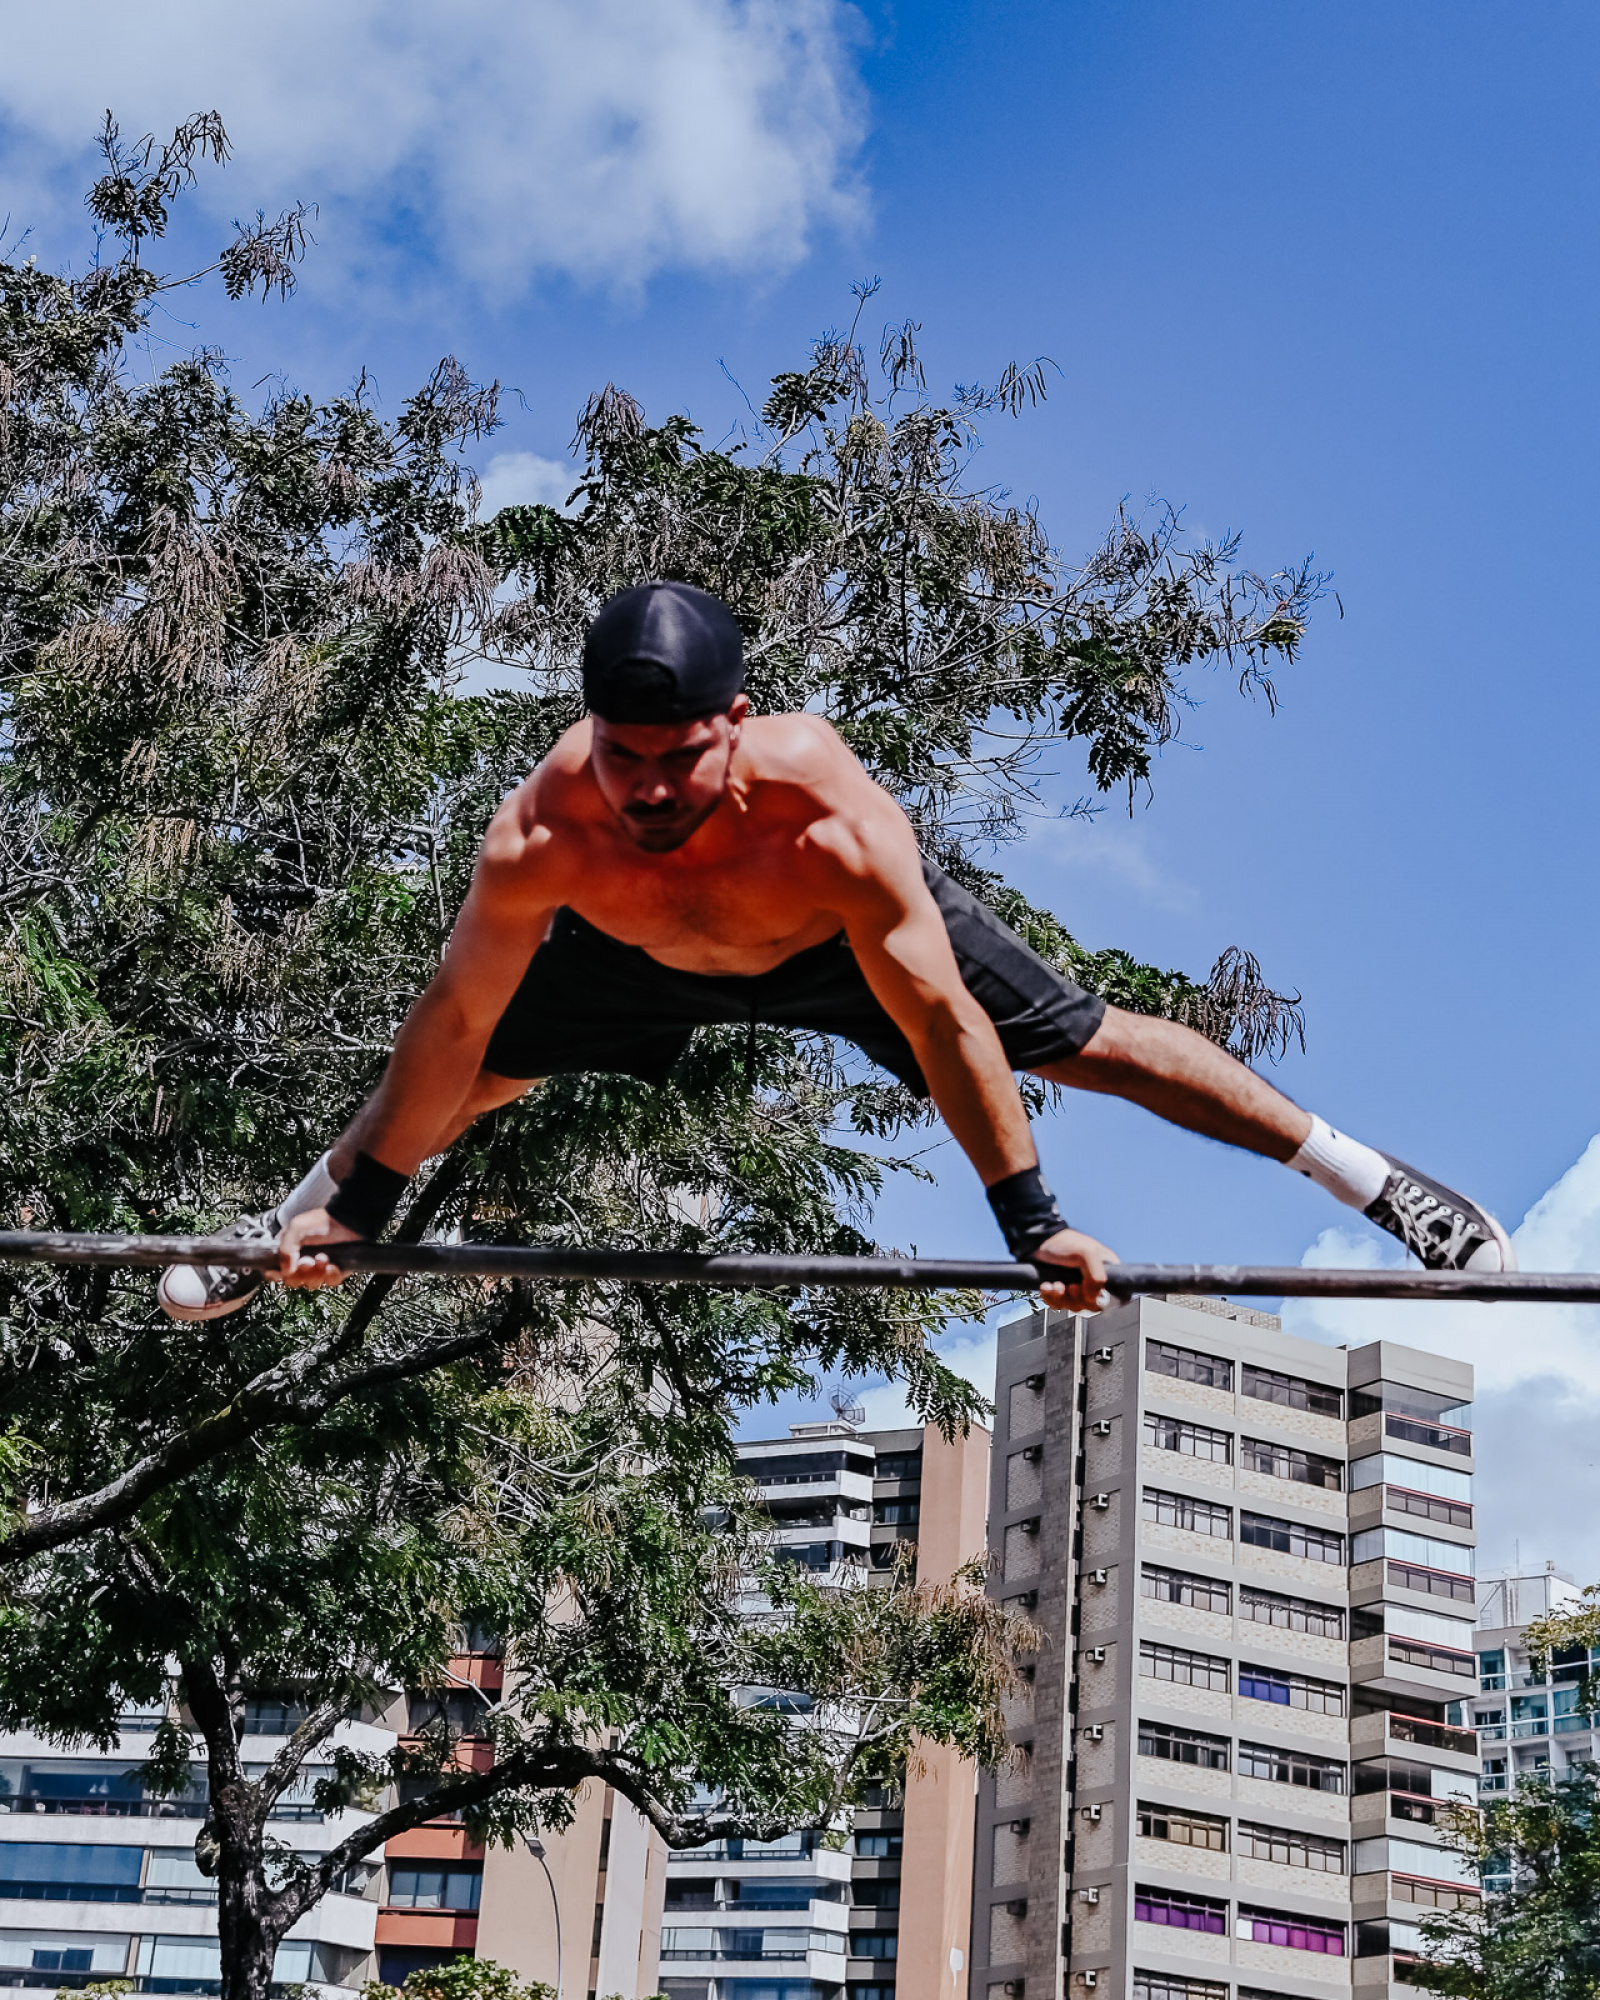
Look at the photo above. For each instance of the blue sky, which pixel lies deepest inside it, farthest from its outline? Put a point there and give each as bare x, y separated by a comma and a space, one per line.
1321, 273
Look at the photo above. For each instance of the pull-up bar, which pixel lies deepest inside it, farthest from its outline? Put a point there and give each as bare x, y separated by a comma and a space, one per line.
734, 1271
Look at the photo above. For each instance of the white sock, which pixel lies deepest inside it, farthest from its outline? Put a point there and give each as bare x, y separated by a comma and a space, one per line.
315, 1191
1352, 1173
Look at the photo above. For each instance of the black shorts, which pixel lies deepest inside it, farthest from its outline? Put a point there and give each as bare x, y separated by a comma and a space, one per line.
587, 1002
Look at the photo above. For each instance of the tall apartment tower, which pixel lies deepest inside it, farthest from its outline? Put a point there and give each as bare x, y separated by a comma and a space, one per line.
1251, 1559
884, 1916
1530, 1721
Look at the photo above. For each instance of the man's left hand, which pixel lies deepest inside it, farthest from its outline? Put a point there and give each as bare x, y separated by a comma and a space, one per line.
1083, 1261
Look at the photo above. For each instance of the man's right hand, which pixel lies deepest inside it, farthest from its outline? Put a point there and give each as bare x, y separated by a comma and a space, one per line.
1082, 1284
295, 1267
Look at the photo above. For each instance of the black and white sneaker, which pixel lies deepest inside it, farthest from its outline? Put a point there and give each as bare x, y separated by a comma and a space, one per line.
208, 1291
1445, 1230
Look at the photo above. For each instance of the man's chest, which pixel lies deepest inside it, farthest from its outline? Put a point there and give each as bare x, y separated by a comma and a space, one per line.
763, 898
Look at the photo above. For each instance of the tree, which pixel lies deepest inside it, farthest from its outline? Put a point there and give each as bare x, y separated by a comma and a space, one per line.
1535, 1932
241, 785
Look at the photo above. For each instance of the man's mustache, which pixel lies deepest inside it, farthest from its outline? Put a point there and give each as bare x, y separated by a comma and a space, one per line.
665, 810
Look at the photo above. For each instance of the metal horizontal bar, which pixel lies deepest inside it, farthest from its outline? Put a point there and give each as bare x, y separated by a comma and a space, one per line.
672, 1267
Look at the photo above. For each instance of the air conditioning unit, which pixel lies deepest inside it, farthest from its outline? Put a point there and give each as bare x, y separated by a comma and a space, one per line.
1104, 1354
1100, 1501
1095, 1655
1018, 1907
1095, 1813
1095, 1731
1033, 1453
1101, 1427
1090, 1978
1020, 1826
1088, 1895
1033, 1382
1099, 1576
1030, 1526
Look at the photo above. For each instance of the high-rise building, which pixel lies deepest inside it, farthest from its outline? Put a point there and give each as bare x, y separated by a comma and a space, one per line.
1526, 1720
880, 1910
1251, 1560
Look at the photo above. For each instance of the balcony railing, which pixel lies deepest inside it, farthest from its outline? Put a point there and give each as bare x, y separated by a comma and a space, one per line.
1433, 1735
1531, 1725
1436, 1582
1437, 1437
1494, 1781
1430, 1506
1434, 1895
1437, 1659
1491, 1732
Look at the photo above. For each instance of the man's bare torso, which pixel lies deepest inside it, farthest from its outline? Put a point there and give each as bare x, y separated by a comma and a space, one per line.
774, 870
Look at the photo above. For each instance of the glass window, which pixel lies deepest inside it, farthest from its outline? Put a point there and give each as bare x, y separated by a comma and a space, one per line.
1181, 1912
1193, 1440
58, 1872
1290, 1690
1372, 1543
882, 1845
1387, 1468
422, 1888
1294, 1392
1183, 1746
1176, 1663
1180, 1586
1293, 1538
896, 1513
899, 1465
1291, 1850
1292, 1614
1282, 1461
1182, 1510
1170, 1986
1184, 1828
1185, 1365
1291, 1767
1297, 1933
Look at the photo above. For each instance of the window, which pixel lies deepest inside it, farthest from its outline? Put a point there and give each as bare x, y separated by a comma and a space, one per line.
1183, 1746
1291, 1850
1161, 1358
896, 1513
1185, 1829
1293, 1391
1390, 1469
266, 1717
1167, 1986
1179, 1510
875, 1944
879, 1846
883, 1895
1290, 1767
1291, 1690
872, 1992
54, 1872
1291, 1538
1437, 1659
1181, 1912
1181, 1586
1298, 1933
1193, 1440
434, 1888
1399, 1543
1173, 1663
1291, 1614
1282, 1461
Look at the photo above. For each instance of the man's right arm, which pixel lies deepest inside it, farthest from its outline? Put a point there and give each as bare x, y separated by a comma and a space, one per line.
439, 1050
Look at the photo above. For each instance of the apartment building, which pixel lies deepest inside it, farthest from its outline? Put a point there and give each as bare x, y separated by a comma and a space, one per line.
98, 1879
877, 1908
1251, 1558
1528, 1721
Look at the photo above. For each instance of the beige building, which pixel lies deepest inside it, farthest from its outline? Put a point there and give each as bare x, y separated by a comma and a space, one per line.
883, 1913
1251, 1556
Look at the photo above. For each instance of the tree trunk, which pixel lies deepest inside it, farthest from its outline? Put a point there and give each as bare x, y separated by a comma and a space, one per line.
250, 1917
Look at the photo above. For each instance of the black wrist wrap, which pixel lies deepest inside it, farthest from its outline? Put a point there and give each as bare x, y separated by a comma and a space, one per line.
368, 1195
1026, 1212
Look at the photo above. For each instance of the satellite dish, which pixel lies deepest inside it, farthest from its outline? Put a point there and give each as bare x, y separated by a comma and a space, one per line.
846, 1411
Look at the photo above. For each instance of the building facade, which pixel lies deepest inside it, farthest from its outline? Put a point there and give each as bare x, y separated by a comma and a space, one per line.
1251, 1560
1530, 1721
876, 1909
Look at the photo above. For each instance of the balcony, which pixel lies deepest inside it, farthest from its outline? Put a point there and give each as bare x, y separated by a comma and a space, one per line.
1433, 1895
1433, 1735
1435, 1436
1428, 1506
1432, 1582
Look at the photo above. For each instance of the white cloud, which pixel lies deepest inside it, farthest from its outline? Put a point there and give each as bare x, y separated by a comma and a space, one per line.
604, 139
523, 478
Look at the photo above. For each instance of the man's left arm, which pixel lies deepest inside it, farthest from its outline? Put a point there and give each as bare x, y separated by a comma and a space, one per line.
899, 940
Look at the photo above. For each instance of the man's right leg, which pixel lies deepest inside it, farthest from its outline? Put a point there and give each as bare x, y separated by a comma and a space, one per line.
210, 1291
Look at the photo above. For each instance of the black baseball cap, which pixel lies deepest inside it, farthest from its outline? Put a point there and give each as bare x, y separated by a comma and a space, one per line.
662, 652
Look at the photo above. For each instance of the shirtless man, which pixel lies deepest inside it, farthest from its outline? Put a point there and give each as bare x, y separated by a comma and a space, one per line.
676, 861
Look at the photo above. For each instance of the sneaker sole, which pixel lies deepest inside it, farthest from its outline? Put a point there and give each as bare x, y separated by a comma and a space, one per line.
188, 1314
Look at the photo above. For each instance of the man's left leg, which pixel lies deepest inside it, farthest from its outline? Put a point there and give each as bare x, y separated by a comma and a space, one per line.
1186, 1079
